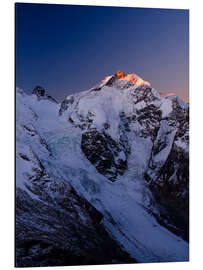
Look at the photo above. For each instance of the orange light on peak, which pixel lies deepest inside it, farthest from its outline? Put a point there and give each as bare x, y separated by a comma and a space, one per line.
167, 94
120, 74
133, 78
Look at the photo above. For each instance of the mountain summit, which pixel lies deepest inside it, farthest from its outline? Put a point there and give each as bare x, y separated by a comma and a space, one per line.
133, 78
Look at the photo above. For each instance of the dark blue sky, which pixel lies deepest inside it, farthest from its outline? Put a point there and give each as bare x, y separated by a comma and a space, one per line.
67, 48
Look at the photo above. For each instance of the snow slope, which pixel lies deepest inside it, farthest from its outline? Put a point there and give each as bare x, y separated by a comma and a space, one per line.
126, 203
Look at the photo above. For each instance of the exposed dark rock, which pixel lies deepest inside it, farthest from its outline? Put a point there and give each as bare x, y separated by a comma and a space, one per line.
149, 118
143, 93
102, 151
42, 94
106, 125
171, 189
65, 104
169, 178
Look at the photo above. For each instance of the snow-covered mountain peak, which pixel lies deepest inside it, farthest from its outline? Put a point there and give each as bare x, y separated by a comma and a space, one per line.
132, 78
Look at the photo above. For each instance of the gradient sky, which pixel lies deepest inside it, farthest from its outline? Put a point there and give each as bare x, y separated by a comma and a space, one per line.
67, 48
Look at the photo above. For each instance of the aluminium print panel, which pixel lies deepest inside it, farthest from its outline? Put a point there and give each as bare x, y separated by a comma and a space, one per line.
102, 135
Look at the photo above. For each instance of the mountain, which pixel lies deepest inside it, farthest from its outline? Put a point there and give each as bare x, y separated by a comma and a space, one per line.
41, 93
111, 162
54, 225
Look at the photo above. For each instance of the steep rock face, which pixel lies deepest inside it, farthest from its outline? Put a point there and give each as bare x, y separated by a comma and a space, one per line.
109, 157
171, 189
168, 177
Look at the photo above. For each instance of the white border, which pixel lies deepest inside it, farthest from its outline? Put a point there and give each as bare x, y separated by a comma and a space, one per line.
7, 128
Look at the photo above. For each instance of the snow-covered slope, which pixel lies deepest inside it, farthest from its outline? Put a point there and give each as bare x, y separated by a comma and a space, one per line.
115, 146
54, 226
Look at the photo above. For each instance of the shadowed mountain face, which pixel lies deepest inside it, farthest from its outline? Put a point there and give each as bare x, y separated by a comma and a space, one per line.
63, 229
105, 170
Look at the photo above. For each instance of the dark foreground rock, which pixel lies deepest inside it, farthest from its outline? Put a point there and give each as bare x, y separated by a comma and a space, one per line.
62, 231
